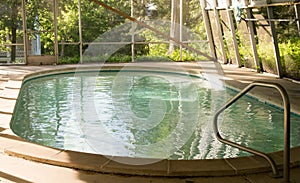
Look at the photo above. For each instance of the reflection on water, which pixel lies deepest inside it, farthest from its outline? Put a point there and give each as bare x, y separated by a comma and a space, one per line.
142, 114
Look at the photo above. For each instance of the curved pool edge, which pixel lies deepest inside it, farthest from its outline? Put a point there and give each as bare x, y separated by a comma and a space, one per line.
112, 67
15, 146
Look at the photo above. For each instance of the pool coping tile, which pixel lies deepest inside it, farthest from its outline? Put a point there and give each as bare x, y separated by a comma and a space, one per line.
249, 164
137, 166
208, 167
15, 146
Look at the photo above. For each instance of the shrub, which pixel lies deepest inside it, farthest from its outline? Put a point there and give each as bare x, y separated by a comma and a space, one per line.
266, 55
290, 57
68, 60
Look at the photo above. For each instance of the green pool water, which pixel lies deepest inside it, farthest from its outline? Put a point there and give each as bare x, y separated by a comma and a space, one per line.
144, 114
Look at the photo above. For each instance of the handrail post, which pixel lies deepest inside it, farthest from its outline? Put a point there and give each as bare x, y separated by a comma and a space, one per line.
286, 105
287, 130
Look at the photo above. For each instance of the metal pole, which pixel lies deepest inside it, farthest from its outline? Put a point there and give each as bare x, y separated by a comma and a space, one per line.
287, 129
132, 34
55, 30
208, 29
80, 32
297, 12
180, 24
286, 105
233, 35
251, 28
220, 33
275, 42
25, 40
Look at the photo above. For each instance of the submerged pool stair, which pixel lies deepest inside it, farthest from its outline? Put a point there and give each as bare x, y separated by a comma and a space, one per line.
286, 105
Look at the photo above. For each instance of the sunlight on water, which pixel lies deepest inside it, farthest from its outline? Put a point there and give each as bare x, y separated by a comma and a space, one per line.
156, 115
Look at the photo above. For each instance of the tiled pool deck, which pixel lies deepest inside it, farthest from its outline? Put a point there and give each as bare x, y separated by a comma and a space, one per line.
25, 162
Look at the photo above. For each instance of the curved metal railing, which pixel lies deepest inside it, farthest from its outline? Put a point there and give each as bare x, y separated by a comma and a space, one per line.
286, 105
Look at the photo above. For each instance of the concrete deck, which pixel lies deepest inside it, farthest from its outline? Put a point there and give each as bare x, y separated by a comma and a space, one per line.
26, 162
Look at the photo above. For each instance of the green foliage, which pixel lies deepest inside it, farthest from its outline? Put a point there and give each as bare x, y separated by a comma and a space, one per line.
95, 22
117, 58
68, 60
163, 8
160, 51
285, 30
290, 57
10, 25
244, 50
266, 55
4, 31
289, 44
186, 56
151, 58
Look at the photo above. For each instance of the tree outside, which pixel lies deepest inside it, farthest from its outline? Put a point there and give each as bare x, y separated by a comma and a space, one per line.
97, 20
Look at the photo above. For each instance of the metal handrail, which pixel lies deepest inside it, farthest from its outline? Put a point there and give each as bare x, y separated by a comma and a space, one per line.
286, 105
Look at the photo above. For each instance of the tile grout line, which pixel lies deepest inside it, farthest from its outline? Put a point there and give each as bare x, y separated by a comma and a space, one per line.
8, 98
7, 113
247, 179
106, 163
168, 167
232, 166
